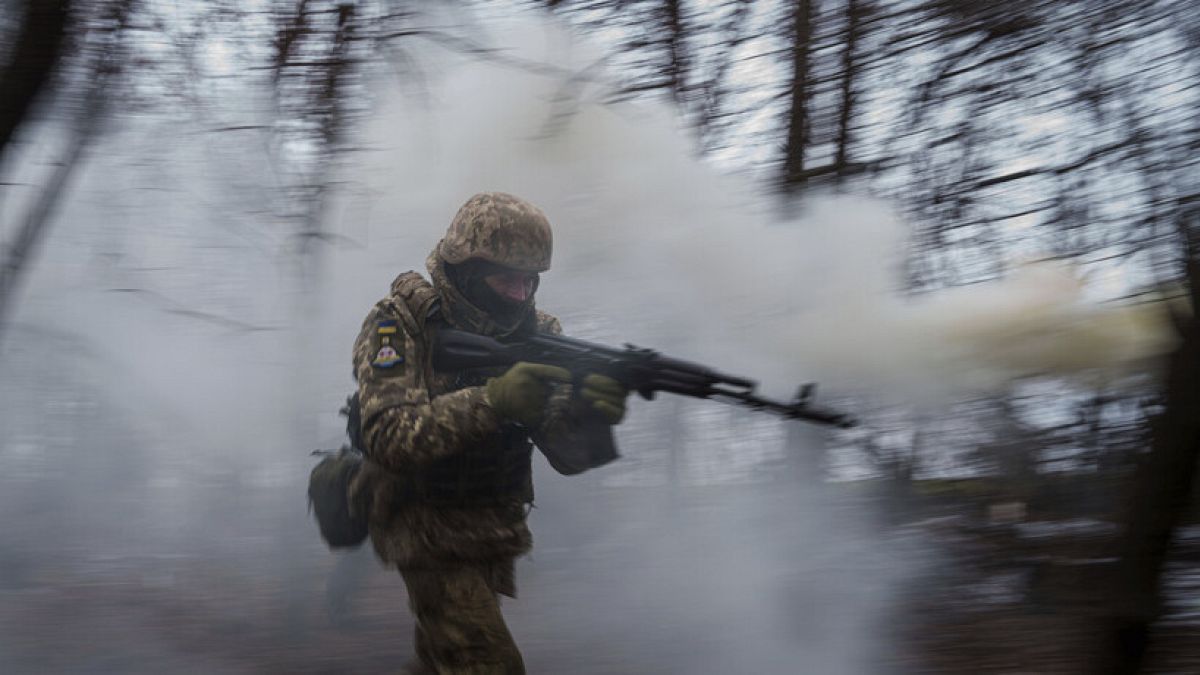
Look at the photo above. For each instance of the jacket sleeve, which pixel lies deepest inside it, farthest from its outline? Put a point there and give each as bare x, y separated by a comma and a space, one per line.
571, 442
402, 427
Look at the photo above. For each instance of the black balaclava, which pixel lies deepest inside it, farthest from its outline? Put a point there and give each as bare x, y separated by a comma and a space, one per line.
468, 278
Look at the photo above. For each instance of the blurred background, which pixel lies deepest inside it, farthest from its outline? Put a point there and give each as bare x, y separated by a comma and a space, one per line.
975, 224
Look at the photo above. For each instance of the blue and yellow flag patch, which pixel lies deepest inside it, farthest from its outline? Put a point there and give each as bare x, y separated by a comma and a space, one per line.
389, 351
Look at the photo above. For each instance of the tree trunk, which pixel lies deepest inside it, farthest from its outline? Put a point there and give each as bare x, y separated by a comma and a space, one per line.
676, 51
32, 231
38, 49
1160, 495
854, 12
798, 117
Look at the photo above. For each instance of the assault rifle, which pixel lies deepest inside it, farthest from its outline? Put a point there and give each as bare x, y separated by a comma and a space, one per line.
642, 370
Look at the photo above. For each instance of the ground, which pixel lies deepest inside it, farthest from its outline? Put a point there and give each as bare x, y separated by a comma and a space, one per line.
627, 592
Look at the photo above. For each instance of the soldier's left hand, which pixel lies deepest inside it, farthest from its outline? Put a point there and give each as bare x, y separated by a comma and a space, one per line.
605, 397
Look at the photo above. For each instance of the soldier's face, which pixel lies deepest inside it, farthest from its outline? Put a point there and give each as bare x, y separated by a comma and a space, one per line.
513, 285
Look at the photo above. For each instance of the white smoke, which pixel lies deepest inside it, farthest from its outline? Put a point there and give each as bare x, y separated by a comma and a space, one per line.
653, 244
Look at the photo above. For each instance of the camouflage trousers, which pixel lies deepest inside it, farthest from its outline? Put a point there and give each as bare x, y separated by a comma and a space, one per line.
460, 630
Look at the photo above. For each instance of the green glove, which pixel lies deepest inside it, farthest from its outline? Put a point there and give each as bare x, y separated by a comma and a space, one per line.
520, 394
606, 396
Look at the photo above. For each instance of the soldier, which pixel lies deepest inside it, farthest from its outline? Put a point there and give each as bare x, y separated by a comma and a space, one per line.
447, 476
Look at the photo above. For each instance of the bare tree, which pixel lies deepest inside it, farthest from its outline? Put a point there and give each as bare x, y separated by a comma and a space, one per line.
40, 43
41, 49
851, 66
797, 138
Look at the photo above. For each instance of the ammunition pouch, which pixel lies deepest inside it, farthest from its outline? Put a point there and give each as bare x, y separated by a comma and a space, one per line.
343, 522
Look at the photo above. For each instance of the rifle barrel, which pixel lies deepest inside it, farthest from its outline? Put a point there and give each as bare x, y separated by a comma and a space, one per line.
797, 410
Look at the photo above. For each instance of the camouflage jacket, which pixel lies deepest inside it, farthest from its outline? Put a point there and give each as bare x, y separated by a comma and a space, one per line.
418, 423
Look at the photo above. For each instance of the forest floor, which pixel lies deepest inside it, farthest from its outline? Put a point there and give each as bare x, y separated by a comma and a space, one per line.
1000, 599
1023, 598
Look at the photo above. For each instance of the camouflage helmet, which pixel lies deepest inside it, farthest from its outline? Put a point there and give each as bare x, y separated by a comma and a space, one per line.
500, 228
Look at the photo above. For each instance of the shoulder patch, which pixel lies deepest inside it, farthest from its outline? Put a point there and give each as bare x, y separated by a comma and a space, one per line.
389, 345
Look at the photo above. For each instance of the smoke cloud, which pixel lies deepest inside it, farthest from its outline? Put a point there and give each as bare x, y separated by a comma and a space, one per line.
180, 307
651, 242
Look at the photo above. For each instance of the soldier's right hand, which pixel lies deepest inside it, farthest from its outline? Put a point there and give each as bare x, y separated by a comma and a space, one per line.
521, 393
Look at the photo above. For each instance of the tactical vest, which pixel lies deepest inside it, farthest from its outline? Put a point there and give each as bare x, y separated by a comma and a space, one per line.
494, 471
